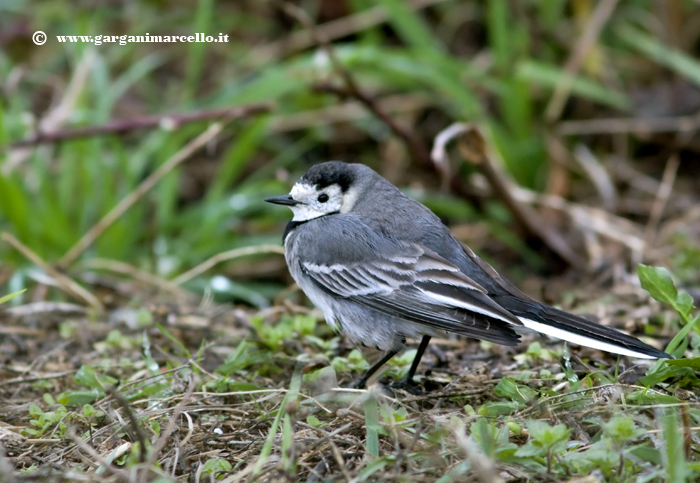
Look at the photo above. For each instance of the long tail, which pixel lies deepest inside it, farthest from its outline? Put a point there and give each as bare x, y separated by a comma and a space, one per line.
577, 330
557, 323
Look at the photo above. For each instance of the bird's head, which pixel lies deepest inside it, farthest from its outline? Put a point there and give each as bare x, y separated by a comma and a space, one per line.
326, 189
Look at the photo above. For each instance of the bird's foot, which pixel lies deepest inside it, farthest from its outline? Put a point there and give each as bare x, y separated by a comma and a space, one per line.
358, 384
409, 386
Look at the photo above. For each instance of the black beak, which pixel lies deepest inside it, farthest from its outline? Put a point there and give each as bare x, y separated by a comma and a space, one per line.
283, 200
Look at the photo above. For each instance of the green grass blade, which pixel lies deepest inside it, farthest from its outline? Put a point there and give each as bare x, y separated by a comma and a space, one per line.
372, 424
289, 460
14, 204
674, 59
410, 26
3, 131
12, 295
551, 76
196, 51
291, 395
678, 338
496, 17
672, 453
172, 339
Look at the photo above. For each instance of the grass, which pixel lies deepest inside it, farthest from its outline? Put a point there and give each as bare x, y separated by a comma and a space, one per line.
104, 169
236, 420
195, 362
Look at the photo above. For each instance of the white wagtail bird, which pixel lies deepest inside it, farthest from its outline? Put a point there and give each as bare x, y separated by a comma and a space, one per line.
383, 268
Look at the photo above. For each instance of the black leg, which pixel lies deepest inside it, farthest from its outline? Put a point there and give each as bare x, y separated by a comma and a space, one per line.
407, 382
370, 372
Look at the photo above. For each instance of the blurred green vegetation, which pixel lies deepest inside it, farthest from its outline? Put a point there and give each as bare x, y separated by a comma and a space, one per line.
496, 63
499, 64
521, 70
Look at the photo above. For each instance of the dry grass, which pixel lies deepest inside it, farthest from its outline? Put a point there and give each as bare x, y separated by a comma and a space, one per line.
171, 415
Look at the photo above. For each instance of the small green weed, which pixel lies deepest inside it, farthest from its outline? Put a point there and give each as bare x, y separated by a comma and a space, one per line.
659, 283
45, 420
215, 467
546, 441
289, 327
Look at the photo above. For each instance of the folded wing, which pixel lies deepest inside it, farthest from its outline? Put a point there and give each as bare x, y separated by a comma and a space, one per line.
419, 286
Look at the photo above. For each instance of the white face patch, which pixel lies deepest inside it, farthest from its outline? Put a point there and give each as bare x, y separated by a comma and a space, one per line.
304, 213
310, 206
301, 192
349, 200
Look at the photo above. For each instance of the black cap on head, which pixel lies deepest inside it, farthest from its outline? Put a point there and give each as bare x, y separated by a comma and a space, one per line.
330, 173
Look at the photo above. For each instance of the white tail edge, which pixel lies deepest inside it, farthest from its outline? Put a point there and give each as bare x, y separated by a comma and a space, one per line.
581, 340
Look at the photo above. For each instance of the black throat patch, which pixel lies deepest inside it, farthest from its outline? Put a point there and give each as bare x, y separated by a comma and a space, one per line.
293, 224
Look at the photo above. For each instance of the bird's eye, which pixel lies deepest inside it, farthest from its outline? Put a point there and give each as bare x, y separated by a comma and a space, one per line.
322, 198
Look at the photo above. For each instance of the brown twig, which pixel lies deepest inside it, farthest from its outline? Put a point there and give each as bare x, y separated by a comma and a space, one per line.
483, 467
228, 255
332, 30
657, 209
598, 175
179, 408
27, 331
140, 436
99, 460
417, 149
687, 429
630, 125
600, 16
169, 122
22, 379
58, 115
472, 147
594, 220
134, 272
64, 282
131, 199
559, 175
397, 104
45, 307
352, 90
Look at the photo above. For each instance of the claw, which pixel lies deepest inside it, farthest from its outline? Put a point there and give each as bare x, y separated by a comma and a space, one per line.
409, 386
357, 384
